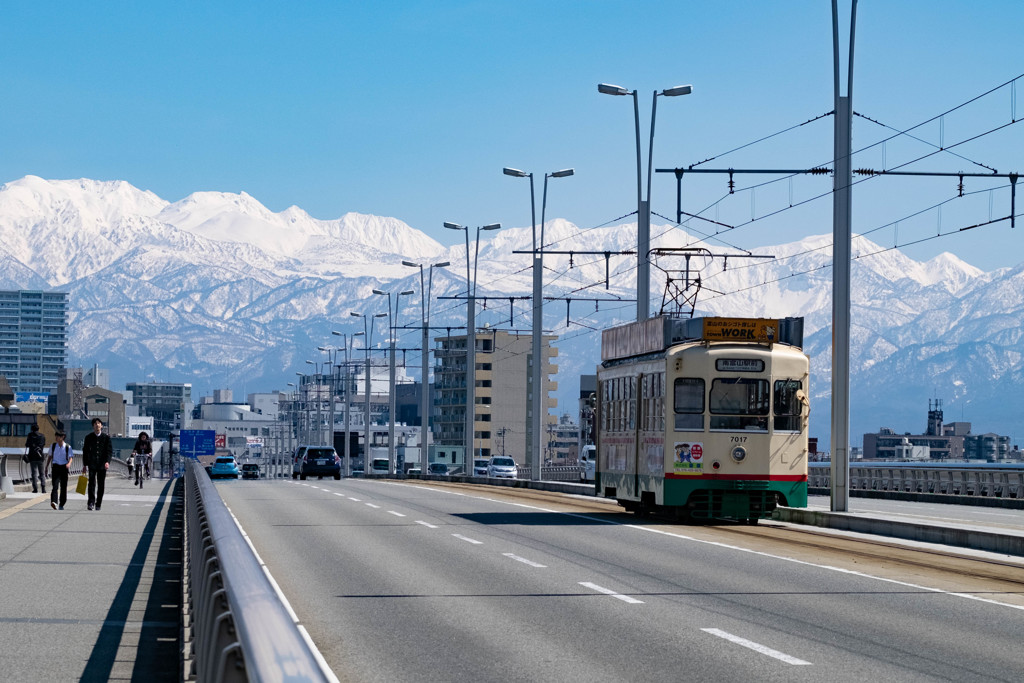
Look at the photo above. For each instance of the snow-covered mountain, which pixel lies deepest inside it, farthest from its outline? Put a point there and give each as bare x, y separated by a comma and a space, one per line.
218, 290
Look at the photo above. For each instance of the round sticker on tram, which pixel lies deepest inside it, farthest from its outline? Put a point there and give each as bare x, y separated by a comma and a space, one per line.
696, 452
739, 453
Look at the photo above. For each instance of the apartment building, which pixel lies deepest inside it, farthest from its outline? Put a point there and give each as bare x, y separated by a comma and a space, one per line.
503, 411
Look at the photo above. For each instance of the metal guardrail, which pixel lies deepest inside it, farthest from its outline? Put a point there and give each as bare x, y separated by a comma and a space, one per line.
944, 479
236, 628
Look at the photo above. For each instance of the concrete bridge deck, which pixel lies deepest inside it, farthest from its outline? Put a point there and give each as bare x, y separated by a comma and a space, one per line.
91, 595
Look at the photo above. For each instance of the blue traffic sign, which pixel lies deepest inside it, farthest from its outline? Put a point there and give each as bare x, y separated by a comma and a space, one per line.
196, 442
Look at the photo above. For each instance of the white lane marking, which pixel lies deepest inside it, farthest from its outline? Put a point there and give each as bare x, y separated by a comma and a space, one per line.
339, 494
426, 524
324, 667
525, 561
375, 507
757, 647
319, 657
466, 538
396, 514
358, 500
608, 591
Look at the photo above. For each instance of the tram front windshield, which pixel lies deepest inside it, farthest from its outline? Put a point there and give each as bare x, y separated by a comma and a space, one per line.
739, 403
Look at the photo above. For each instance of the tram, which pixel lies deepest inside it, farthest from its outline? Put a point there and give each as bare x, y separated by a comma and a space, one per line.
703, 417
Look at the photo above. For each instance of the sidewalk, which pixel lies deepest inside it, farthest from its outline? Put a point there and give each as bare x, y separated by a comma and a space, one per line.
92, 595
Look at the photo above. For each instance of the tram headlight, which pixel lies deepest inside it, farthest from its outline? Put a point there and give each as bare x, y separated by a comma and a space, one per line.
739, 453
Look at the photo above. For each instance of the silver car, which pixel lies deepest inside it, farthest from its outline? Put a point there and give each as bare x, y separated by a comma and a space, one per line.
502, 466
480, 467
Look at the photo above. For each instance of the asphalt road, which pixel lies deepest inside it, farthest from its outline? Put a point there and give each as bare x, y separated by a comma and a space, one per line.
407, 581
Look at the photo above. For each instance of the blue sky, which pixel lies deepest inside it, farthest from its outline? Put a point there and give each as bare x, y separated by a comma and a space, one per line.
411, 109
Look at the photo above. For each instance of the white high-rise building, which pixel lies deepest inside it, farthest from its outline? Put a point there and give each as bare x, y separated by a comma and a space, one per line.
33, 339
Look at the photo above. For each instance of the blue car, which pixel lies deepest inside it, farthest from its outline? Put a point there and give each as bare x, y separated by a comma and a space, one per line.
224, 466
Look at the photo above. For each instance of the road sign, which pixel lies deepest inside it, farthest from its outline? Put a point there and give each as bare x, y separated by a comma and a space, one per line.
196, 442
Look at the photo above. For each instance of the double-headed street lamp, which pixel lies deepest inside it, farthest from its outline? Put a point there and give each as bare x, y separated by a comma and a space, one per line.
348, 407
537, 394
393, 322
425, 408
368, 335
318, 373
471, 339
304, 435
643, 272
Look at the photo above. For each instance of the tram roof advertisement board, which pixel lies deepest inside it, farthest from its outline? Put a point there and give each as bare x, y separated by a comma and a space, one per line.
741, 329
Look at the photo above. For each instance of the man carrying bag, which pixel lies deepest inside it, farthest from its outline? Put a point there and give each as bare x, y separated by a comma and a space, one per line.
96, 453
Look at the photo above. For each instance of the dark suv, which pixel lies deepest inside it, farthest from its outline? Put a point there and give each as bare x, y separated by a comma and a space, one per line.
316, 461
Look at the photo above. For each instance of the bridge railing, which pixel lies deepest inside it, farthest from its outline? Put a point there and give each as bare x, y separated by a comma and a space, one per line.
236, 628
948, 479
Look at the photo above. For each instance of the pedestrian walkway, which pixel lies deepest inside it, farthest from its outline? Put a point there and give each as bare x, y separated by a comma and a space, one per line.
92, 595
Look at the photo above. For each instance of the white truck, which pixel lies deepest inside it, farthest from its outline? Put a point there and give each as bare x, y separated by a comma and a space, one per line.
588, 457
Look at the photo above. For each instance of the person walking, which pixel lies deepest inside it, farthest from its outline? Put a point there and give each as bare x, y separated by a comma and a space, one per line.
96, 453
59, 463
142, 451
34, 445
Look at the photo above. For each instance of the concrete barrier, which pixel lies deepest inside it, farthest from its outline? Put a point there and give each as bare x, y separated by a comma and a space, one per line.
957, 535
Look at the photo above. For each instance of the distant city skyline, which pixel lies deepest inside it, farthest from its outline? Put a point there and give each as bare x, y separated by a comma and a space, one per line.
410, 110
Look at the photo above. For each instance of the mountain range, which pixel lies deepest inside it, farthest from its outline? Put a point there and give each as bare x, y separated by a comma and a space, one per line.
219, 291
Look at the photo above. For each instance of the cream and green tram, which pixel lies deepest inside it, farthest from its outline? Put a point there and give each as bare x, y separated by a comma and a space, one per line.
706, 417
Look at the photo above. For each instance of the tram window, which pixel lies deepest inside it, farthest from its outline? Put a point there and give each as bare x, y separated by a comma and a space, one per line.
688, 403
739, 403
787, 405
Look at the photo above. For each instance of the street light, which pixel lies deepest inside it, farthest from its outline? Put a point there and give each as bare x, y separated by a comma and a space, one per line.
348, 406
319, 375
291, 418
536, 393
643, 272
393, 322
425, 408
305, 437
368, 334
471, 339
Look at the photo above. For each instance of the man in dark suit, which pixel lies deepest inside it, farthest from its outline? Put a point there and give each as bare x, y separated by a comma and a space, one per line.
96, 453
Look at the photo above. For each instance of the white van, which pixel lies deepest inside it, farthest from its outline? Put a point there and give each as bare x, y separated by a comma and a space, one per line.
588, 458
379, 466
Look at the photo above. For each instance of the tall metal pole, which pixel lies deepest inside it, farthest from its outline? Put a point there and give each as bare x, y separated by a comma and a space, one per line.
470, 361
643, 266
471, 341
392, 458
537, 394
425, 407
842, 213
425, 373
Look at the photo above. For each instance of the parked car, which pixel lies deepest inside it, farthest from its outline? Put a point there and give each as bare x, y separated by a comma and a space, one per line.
438, 468
250, 470
502, 466
224, 466
480, 467
316, 461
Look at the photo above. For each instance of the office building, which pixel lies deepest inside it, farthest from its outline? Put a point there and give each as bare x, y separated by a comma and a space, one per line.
33, 339
165, 402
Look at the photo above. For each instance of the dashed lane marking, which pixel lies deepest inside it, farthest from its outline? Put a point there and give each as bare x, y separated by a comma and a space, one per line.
757, 647
468, 539
525, 561
609, 591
